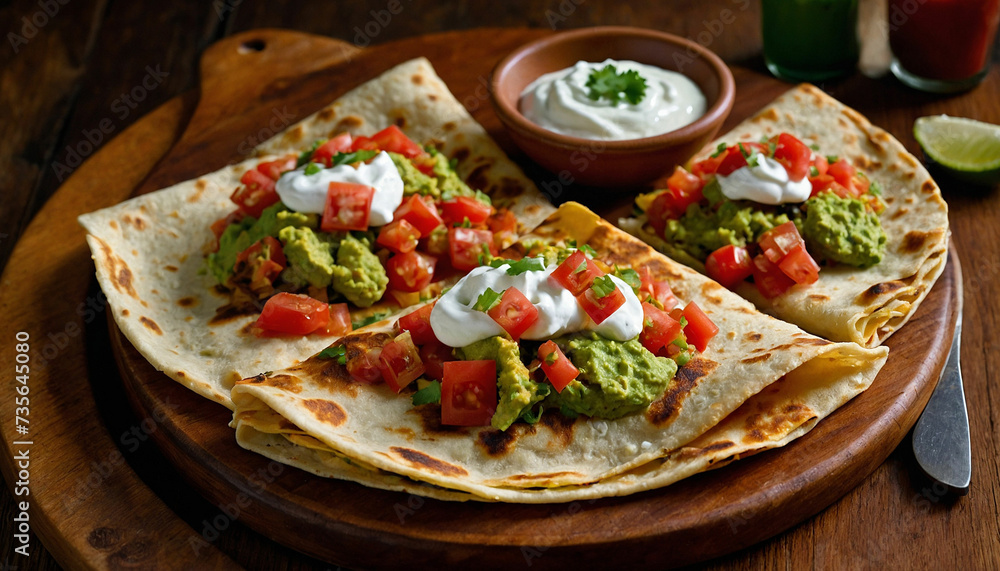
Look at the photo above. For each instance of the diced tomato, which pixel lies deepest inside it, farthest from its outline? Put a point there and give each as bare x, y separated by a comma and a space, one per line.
324, 153
861, 183
600, 308
660, 212
419, 212
412, 271
820, 163
348, 207
256, 194
768, 277
504, 227
700, 328
845, 175
732, 161
363, 367
340, 320
363, 144
659, 290
273, 169
293, 314
559, 370
400, 362
467, 245
435, 355
468, 392
777, 242
704, 169
418, 323
729, 265
393, 140
424, 163
220, 225
800, 266
685, 189
267, 258
515, 313
659, 328
399, 236
576, 273
793, 154
825, 182
457, 210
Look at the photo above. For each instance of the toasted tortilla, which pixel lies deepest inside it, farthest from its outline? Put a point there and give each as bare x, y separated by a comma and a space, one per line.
760, 383
149, 250
862, 305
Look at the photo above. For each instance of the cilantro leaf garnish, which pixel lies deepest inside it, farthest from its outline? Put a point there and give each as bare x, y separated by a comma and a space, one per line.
614, 86
336, 352
375, 317
581, 268
428, 395
629, 276
487, 300
603, 286
313, 168
308, 153
525, 265
719, 150
551, 358
350, 158
590, 252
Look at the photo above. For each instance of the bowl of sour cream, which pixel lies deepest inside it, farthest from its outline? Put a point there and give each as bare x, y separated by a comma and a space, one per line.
612, 106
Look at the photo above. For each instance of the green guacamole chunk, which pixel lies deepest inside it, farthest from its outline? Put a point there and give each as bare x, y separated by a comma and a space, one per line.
359, 275
309, 258
517, 392
615, 378
702, 230
843, 230
445, 183
241, 235
414, 181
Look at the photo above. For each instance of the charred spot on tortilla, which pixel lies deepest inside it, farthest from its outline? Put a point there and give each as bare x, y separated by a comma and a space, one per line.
150, 324
752, 337
189, 301
914, 241
875, 291
421, 460
460, 154
449, 126
230, 312
499, 443
665, 409
286, 383
171, 268
766, 425
561, 426
928, 187
349, 123
400, 122
417, 79
125, 313
327, 114
325, 411
113, 224
757, 359
899, 213
477, 178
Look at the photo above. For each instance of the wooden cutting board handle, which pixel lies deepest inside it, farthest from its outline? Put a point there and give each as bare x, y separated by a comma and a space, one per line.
237, 74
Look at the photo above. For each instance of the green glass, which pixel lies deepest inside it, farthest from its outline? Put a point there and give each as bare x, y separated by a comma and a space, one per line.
810, 40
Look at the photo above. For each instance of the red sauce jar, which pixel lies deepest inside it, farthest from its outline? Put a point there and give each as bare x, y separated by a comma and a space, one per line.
942, 45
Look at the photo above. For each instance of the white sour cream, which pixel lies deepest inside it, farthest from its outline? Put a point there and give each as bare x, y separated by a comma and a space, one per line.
456, 324
307, 192
766, 182
558, 101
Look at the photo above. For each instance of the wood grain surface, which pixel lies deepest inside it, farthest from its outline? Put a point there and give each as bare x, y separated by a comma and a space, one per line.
59, 87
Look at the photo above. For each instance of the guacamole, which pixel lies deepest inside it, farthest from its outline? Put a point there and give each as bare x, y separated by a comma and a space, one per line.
359, 275
703, 229
615, 379
241, 235
414, 181
843, 230
517, 392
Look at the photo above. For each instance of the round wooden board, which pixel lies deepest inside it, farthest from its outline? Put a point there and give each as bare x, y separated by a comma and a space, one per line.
704, 516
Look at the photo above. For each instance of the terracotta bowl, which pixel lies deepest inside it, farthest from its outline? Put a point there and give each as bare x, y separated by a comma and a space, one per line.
631, 162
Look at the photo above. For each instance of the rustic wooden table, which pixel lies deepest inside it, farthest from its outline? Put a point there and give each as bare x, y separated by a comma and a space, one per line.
75, 74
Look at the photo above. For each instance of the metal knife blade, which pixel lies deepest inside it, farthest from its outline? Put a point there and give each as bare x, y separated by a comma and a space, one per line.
941, 441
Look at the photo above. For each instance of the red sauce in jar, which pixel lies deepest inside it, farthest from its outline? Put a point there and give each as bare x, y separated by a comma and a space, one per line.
943, 39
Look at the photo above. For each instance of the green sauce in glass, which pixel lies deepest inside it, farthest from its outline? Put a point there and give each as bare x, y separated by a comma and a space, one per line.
810, 40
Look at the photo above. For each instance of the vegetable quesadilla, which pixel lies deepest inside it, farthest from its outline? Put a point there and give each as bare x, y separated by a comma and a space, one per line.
841, 230
579, 364
338, 223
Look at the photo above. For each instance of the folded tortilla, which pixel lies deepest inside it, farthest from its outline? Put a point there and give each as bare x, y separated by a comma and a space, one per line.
863, 305
149, 250
760, 383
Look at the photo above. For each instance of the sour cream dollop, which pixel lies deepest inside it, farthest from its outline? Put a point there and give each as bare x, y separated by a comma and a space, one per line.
456, 324
558, 101
307, 192
766, 182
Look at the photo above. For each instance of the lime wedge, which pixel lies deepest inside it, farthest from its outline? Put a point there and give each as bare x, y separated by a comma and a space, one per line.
969, 150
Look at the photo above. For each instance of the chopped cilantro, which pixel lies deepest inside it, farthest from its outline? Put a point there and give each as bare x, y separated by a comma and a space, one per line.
525, 265
428, 395
373, 318
581, 268
586, 249
551, 358
308, 153
614, 86
629, 276
814, 147
350, 158
813, 171
743, 150
532, 416
875, 188
832, 159
753, 160
335, 352
603, 286
681, 343
487, 300
719, 150
568, 412
313, 168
